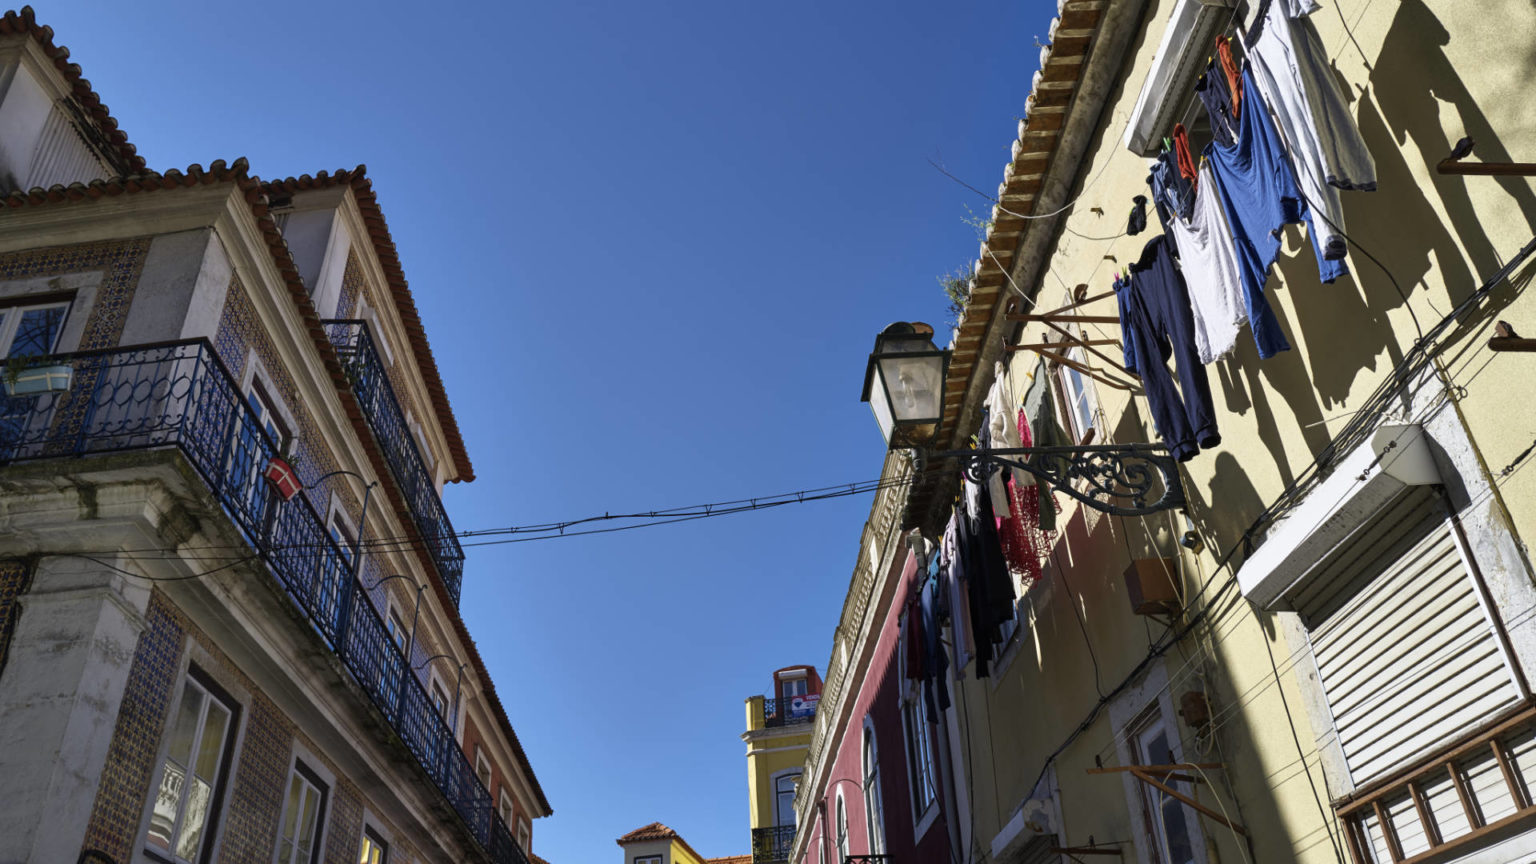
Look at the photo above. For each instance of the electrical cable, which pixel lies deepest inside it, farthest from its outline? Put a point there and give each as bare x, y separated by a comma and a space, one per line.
1077, 613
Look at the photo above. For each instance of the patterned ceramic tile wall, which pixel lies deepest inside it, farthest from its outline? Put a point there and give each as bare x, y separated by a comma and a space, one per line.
346, 820
120, 260
15, 577
136, 739
240, 333
256, 800
254, 797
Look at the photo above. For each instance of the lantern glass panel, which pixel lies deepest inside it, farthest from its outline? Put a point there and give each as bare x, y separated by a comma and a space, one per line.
882, 408
913, 385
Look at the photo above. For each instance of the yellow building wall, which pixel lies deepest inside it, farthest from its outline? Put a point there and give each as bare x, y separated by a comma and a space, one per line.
770, 751
1422, 75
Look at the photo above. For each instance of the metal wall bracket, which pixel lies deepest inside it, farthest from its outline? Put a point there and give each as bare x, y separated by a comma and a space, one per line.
1107, 472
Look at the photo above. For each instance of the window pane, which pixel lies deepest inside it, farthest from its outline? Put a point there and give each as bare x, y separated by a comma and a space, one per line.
163, 820
198, 798
311, 811
186, 724
37, 331
291, 812
212, 744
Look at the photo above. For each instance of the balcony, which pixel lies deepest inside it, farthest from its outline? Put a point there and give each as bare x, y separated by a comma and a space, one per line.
180, 396
788, 710
370, 382
772, 845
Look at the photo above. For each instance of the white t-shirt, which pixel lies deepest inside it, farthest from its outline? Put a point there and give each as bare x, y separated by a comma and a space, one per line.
1291, 68
1209, 261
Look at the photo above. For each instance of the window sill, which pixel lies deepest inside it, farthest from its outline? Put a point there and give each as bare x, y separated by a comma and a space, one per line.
930, 816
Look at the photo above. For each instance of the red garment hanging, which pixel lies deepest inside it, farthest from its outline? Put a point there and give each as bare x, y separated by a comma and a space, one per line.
1183, 157
1024, 544
1234, 77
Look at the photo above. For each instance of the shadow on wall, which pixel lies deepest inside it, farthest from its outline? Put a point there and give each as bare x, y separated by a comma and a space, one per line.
1419, 81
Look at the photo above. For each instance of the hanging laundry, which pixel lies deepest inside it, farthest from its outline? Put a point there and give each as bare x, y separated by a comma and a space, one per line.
1004, 431
1138, 220
1171, 193
991, 595
1215, 94
1287, 51
935, 661
1155, 311
997, 487
959, 608
1185, 161
1040, 407
1209, 263
1326, 150
1258, 195
1233, 77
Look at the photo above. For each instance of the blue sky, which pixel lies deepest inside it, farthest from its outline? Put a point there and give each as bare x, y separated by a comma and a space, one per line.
652, 244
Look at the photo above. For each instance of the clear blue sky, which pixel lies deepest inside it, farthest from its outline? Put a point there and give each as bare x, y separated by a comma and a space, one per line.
652, 244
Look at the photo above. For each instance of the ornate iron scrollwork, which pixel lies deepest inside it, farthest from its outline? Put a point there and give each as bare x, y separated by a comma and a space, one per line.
1105, 472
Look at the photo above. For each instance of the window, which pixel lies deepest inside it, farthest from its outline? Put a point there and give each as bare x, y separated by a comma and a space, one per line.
192, 775
504, 806
31, 331
915, 730
298, 840
374, 850
342, 533
1165, 821
396, 628
420, 438
842, 828
784, 798
482, 767
1170, 82
793, 687
524, 836
1078, 404
874, 812
439, 699
248, 452
648, 859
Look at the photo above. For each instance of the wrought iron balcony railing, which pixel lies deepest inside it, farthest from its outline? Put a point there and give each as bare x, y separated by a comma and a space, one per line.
788, 710
772, 845
180, 395
370, 381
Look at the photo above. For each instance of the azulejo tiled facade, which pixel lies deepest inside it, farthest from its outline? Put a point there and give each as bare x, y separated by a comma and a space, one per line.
136, 739
122, 261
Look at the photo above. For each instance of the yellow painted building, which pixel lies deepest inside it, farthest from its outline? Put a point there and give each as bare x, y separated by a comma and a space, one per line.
778, 734
1336, 634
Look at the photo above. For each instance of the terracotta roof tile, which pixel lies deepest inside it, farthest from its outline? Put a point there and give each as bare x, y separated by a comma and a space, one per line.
730, 859
125, 155
653, 831
389, 259
251, 187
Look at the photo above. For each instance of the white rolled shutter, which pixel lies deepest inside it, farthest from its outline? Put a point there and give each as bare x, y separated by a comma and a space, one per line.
1407, 655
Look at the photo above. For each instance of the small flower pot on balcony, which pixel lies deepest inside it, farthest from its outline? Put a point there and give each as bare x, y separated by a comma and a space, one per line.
39, 379
283, 478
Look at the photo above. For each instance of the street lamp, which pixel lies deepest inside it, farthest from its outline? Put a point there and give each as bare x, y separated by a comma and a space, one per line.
284, 480
904, 386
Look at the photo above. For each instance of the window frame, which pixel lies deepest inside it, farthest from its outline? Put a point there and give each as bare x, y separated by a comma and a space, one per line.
1067, 380
791, 775
917, 744
524, 834
302, 770
211, 824
504, 803
874, 801
371, 835
1128, 715
483, 762
840, 823
13, 309
647, 859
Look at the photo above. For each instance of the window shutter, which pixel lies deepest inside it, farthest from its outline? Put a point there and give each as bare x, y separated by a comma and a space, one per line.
1405, 651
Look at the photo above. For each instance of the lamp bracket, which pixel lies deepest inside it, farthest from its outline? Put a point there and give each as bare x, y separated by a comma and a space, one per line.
1109, 472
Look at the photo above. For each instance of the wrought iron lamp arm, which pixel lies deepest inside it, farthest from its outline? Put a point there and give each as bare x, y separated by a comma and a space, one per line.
1106, 472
